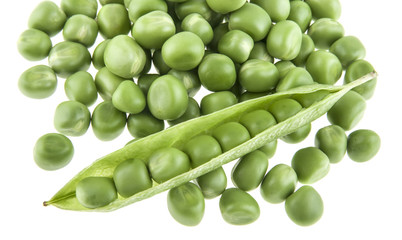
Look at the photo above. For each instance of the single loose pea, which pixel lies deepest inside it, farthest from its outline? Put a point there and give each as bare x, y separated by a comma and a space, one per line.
81, 87
189, 79
278, 10
269, 149
325, 31
217, 101
257, 121
356, 70
98, 54
249, 171
107, 122
143, 124
217, 72
86, 7
34, 44
195, 149
260, 51
284, 66
129, 98
53, 151
300, 13
82, 29
332, 141
47, 17
363, 145
284, 40
106, 83
324, 67
348, 49
192, 111
306, 49
138, 8
325, 8
225, 6
237, 45
72, 118
113, 20
195, 23
131, 177
296, 77
348, 111
279, 183
38, 82
257, 75
238, 207
167, 163
230, 135
95, 192
186, 204
213, 183
310, 165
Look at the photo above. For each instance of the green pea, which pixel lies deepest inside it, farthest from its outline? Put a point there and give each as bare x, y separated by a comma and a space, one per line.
82, 29
107, 122
213, 183
192, 111
95, 192
217, 101
186, 204
219, 31
72, 118
230, 135
325, 31
279, 183
237, 45
190, 80
185, 8
306, 49
238, 207
38, 82
284, 66
53, 151
143, 124
217, 72
348, 111
249, 171
257, 121
131, 177
269, 149
153, 29
225, 6
363, 145
258, 75
284, 40
300, 13
124, 57
138, 8
183, 51
260, 51
348, 49
104, 2
245, 96
98, 54
278, 10
296, 77
47, 17
306, 100
325, 8
332, 141
310, 164
324, 67
86, 7
356, 70
145, 81
34, 44
195, 149
128, 98
195, 23
160, 64
81, 87
113, 20
106, 83
167, 163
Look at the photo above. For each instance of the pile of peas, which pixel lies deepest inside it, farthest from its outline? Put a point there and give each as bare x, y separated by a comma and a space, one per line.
236, 49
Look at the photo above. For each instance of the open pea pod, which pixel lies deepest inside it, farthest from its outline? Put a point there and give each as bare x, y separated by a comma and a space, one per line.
178, 135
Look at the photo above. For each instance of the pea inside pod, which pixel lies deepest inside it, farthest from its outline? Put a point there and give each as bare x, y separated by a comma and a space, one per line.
95, 192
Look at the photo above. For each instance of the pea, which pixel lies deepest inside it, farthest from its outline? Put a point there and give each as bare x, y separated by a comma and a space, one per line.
104, 2
332, 141
225, 6
249, 171
305, 206
167, 163
310, 164
260, 51
300, 13
34, 44
195, 149
325, 8
66, 58
85, 7
237, 45
145, 81
306, 49
128, 98
217, 72
284, 40
185, 8
38, 82
269, 149
189, 79
257, 121
363, 145
279, 183
95, 192
131, 177
258, 75
296, 77
81, 87
47, 17
195, 23
82, 29
219, 31
306, 100
106, 83
348, 49
186, 204
348, 111
113, 20
160, 64
324, 67
217, 101
107, 122
238, 207
72, 118
192, 111
213, 183
278, 10
138, 8
284, 67
325, 31
143, 124
53, 151
230, 135
356, 70
98, 54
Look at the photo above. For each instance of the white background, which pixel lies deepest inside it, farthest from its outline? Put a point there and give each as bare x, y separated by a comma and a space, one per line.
362, 200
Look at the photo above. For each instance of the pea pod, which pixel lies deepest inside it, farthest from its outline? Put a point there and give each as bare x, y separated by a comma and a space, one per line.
180, 134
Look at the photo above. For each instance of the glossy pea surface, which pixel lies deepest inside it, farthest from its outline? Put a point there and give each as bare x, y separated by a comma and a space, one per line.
257, 75
95, 192
47, 17
85, 7
34, 44
217, 101
269, 149
225, 6
82, 29
143, 124
279, 183
332, 140
106, 83
230, 135
363, 145
98, 54
356, 70
185, 8
257, 121
197, 24
284, 40
284, 66
278, 10
325, 8
217, 72
296, 77
192, 111
260, 51
300, 13
138, 8
145, 81
190, 80
38, 82
324, 67
348, 49
113, 20
237, 45
325, 31
129, 98
81, 87
104, 2
72, 118
310, 165
107, 122
195, 149
249, 171
213, 183
307, 47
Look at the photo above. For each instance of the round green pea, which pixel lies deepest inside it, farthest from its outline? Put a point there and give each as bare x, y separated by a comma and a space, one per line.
284, 66
53, 151
332, 140
363, 145
249, 171
310, 164
72, 118
185, 8
34, 44
128, 98
257, 75
269, 149
278, 10
257, 121
98, 54
279, 183
284, 40
104, 2
192, 111
225, 6
238, 207
356, 70
217, 72
260, 51
197, 24
348, 49
166, 163
213, 183
82, 29
95, 192
81, 87
230, 135
107, 122
186, 204
325, 8
74, 7
143, 124
195, 149
325, 31
106, 83
145, 81
324, 67
296, 77
190, 80
217, 101
306, 49
300, 13
113, 20
47, 17
138, 8
38, 82
237, 45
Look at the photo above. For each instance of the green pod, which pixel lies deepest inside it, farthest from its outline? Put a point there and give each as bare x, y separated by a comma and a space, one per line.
237, 45
145, 81
195, 23
296, 77
300, 13
332, 141
245, 96
279, 183
189, 79
306, 100
95, 192
128, 98
356, 70
219, 31
34, 45
284, 66
325, 8
74, 7
217, 101
38, 82
348, 49
47, 17
161, 67
363, 145
310, 165
284, 40
81, 87
106, 83
138, 8
98, 54
186, 204
278, 10
324, 67
143, 124
195, 149
217, 72
107, 122
82, 29
260, 51
238, 207
166, 163
348, 111
230, 135
72, 118
257, 121
192, 111
249, 171
53, 151
213, 183
131, 177
225, 6
307, 47
325, 31
113, 20
258, 75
